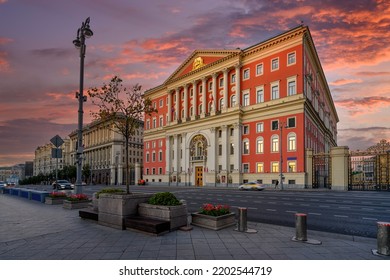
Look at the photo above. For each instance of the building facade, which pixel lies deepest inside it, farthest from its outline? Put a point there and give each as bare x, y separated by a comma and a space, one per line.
104, 152
230, 116
44, 163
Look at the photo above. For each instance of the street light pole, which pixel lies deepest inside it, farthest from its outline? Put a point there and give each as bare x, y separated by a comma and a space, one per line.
83, 32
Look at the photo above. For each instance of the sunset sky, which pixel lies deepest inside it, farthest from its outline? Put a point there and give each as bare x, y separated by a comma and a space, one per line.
145, 41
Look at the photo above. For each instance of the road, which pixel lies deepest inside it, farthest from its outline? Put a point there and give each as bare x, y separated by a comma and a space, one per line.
353, 213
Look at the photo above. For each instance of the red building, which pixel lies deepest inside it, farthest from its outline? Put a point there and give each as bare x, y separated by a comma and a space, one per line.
230, 116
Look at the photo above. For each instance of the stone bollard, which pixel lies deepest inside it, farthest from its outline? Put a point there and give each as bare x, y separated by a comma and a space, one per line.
243, 221
301, 230
300, 227
383, 239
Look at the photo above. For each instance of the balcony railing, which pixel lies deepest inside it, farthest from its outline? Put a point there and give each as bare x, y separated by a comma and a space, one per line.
198, 158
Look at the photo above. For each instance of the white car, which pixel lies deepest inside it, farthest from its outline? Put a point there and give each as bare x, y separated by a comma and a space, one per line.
62, 185
254, 186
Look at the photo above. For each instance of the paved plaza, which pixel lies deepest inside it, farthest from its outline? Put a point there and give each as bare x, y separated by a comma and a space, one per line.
30, 230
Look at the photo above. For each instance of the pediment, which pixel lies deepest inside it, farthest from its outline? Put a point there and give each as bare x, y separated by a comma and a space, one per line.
200, 59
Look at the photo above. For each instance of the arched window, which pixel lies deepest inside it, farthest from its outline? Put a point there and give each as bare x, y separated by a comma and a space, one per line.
275, 143
260, 145
291, 142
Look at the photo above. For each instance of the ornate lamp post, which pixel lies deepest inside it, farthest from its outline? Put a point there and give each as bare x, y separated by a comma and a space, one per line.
83, 32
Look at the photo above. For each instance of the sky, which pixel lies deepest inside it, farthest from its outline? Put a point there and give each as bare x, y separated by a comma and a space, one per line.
145, 41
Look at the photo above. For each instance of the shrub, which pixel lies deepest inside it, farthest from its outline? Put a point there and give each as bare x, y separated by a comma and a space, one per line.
164, 198
109, 190
77, 197
57, 194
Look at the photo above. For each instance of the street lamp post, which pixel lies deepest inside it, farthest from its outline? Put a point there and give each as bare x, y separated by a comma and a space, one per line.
83, 32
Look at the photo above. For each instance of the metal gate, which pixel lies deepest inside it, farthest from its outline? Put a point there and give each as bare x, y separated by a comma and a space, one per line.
369, 171
322, 175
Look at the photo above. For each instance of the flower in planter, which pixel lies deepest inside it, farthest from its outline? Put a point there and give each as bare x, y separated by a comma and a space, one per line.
57, 195
214, 210
77, 197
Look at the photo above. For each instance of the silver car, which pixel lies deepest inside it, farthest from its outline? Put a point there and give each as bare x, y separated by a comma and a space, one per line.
62, 185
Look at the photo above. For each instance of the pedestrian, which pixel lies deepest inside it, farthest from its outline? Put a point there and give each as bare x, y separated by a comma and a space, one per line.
276, 183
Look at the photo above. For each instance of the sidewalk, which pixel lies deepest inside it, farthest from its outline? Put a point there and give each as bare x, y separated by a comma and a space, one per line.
31, 230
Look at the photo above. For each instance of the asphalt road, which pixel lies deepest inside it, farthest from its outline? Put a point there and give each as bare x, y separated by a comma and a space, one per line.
353, 213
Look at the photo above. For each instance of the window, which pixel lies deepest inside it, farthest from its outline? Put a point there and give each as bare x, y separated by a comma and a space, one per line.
275, 143
161, 102
233, 78
160, 143
153, 156
233, 100
219, 133
210, 85
147, 157
200, 89
245, 146
260, 167
291, 122
160, 156
275, 167
191, 111
160, 171
275, 64
246, 167
221, 103
275, 125
231, 167
220, 150
259, 127
292, 166
259, 69
161, 121
231, 131
274, 91
245, 129
246, 74
260, 145
154, 144
291, 142
291, 58
292, 89
245, 99
221, 82
231, 148
200, 109
147, 124
259, 94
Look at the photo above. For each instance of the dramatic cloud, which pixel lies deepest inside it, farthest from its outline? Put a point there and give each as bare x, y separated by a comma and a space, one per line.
367, 137
341, 82
363, 105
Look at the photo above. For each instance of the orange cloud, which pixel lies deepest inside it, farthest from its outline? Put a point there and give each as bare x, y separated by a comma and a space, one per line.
365, 105
4, 64
342, 82
4, 41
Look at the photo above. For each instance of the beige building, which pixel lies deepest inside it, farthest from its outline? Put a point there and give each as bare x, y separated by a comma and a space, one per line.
43, 161
104, 152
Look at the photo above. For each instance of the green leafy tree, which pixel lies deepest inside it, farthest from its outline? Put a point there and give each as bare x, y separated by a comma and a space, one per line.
86, 172
124, 108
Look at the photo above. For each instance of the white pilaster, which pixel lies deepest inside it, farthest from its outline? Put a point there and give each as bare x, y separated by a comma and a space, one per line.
176, 153
225, 89
238, 85
177, 107
194, 99
237, 147
225, 148
204, 93
211, 153
168, 153
169, 106
185, 102
214, 93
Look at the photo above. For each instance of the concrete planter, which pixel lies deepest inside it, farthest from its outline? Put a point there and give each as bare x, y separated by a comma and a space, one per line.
54, 200
115, 208
95, 202
78, 204
176, 215
213, 222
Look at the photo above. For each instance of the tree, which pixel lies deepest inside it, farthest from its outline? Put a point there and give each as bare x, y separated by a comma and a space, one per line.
86, 172
125, 112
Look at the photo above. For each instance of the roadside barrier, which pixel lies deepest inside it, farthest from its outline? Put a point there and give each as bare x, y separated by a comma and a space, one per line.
242, 225
383, 239
301, 230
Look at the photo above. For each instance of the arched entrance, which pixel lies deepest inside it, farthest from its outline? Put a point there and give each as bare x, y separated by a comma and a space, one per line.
198, 157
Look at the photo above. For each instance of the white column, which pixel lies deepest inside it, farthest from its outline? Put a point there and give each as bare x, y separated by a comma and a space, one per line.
184, 162
214, 93
211, 153
185, 102
225, 148
176, 153
169, 106
177, 113
204, 93
194, 99
238, 85
225, 95
120, 174
237, 146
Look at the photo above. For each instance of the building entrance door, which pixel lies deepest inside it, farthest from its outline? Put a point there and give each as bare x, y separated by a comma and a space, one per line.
199, 176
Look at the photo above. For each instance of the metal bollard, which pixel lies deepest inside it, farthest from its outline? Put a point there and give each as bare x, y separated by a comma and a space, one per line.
300, 227
242, 219
301, 230
383, 238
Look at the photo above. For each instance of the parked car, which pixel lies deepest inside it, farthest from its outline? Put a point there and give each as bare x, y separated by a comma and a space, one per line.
62, 185
251, 186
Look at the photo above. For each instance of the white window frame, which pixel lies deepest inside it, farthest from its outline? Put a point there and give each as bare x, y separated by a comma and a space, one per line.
233, 100
259, 88
275, 85
233, 78
276, 164
221, 82
291, 142
245, 97
245, 129
288, 58
275, 143
259, 149
244, 72
294, 163
290, 80
275, 59
245, 141
259, 66
259, 127
260, 164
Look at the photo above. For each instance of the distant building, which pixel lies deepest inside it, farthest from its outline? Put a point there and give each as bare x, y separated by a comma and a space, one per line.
44, 163
231, 116
104, 152
29, 169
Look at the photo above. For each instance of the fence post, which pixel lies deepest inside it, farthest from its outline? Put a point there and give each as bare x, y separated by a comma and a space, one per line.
301, 230
383, 239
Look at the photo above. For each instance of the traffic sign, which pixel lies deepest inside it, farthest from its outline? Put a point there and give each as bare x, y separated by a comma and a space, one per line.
57, 141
